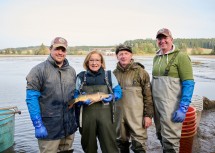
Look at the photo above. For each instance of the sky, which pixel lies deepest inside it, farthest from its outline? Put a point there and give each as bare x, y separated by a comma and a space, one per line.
101, 22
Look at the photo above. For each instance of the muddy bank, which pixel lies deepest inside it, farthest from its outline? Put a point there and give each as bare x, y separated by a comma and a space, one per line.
204, 141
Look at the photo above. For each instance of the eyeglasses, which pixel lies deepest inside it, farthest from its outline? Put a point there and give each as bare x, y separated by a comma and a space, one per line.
94, 60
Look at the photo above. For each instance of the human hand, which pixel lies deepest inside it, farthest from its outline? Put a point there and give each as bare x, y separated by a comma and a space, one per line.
108, 99
179, 116
87, 102
117, 96
40, 129
147, 122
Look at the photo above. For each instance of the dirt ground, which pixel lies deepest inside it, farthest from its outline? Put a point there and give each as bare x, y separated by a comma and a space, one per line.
204, 140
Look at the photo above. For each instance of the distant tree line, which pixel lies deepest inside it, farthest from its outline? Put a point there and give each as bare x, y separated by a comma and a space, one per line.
197, 46
139, 46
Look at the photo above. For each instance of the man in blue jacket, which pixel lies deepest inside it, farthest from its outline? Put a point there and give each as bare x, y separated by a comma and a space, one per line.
50, 87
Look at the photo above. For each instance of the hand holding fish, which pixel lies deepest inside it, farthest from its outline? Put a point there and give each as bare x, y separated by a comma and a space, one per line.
108, 99
89, 99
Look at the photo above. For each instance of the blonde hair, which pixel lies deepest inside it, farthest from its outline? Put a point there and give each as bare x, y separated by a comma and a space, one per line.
87, 58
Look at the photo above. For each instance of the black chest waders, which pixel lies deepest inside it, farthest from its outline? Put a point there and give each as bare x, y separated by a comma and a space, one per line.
113, 106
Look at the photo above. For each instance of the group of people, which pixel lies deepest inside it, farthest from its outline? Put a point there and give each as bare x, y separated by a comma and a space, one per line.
120, 121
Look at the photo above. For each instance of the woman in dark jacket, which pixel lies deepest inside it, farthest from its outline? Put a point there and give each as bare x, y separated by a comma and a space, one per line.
96, 119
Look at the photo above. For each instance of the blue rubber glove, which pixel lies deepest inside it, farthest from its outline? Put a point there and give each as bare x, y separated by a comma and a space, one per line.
76, 94
187, 92
108, 99
117, 92
180, 114
32, 101
87, 102
40, 129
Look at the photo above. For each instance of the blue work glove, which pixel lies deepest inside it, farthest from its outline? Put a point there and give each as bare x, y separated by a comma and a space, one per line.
76, 94
32, 101
117, 95
87, 102
40, 129
186, 96
117, 92
180, 114
108, 99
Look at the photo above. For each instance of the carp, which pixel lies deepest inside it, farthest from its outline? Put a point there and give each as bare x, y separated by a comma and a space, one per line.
95, 97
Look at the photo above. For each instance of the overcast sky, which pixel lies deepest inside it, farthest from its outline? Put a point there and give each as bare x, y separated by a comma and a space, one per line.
102, 22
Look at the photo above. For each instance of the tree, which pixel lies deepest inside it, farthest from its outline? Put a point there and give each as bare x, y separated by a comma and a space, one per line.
213, 50
42, 50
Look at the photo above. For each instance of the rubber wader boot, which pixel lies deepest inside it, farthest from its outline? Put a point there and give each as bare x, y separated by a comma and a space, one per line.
137, 147
123, 146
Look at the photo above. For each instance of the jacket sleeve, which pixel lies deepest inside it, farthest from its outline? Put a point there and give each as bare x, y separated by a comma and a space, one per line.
147, 94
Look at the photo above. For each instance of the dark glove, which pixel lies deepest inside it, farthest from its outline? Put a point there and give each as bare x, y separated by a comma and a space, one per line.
180, 114
40, 129
79, 104
108, 99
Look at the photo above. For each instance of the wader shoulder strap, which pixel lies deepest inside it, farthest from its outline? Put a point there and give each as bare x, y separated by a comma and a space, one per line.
107, 81
83, 82
113, 106
170, 63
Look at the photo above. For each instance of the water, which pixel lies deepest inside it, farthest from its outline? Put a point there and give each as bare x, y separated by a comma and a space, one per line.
13, 85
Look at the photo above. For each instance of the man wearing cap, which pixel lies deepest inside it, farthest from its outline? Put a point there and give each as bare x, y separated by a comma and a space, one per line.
135, 109
172, 89
50, 86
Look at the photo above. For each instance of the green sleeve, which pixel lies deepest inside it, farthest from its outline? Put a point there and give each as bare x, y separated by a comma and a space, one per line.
185, 67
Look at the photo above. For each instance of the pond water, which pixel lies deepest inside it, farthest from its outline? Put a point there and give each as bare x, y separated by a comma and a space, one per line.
13, 86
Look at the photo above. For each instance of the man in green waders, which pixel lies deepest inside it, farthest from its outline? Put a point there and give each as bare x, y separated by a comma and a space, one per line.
172, 90
135, 109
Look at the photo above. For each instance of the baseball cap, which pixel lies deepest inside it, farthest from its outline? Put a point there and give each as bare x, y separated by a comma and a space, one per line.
59, 41
165, 32
123, 47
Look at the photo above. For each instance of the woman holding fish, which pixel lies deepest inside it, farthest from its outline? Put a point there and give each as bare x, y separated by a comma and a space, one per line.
97, 90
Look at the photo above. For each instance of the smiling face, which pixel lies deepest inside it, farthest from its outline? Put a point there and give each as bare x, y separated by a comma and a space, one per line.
58, 54
124, 57
164, 43
95, 62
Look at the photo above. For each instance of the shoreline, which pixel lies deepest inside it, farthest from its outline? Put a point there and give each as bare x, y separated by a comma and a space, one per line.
147, 55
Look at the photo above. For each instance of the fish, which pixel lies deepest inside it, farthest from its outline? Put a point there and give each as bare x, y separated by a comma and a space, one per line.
95, 97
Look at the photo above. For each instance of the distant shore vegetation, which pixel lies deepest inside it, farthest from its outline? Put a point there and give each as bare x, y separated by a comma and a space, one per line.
139, 46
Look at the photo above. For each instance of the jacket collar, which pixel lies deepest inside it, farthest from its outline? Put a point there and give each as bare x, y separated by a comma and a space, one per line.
91, 73
52, 61
160, 52
129, 66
